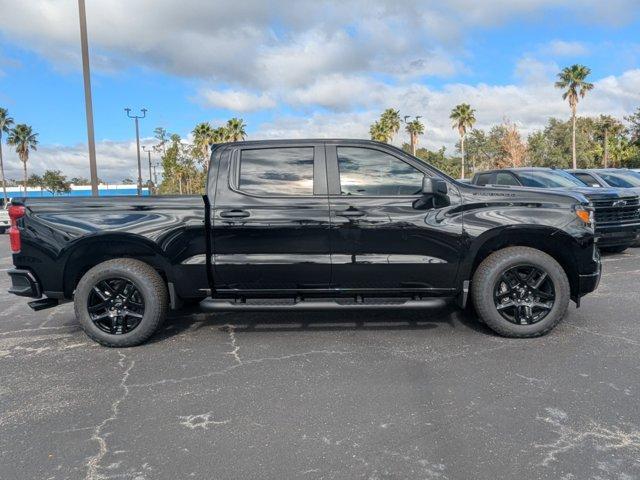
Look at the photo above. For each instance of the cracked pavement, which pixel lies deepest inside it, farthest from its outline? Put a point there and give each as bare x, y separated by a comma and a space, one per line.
371, 395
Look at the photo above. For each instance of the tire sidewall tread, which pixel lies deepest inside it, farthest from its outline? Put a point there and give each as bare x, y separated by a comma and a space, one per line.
487, 274
150, 285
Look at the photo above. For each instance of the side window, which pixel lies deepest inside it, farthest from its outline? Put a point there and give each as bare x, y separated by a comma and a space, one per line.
504, 178
587, 179
364, 171
483, 179
277, 171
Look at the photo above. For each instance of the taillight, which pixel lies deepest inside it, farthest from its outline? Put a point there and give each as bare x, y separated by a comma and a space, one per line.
15, 212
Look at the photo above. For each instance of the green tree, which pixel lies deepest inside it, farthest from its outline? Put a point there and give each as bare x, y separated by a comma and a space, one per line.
463, 118
378, 132
23, 138
610, 127
33, 181
5, 125
634, 126
202, 137
127, 181
573, 80
390, 120
79, 181
414, 128
236, 130
162, 136
55, 182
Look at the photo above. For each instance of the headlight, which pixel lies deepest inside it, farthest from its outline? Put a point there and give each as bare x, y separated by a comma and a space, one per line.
585, 214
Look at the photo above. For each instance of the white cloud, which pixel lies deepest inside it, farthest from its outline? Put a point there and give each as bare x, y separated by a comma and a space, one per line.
235, 100
562, 48
530, 105
116, 161
253, 44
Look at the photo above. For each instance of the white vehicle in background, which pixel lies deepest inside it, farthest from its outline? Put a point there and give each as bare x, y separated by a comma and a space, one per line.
4, 216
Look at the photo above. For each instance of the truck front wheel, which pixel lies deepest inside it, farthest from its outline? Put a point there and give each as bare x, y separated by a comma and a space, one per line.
520, 292
121, 302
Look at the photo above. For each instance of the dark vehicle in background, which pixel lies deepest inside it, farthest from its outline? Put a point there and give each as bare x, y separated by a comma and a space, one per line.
616, 211
608, 177
308, 225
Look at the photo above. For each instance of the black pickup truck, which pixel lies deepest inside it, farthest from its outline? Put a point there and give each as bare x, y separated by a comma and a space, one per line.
304, 225
616, 210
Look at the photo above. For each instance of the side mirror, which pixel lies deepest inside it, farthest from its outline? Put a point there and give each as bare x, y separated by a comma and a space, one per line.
433, 186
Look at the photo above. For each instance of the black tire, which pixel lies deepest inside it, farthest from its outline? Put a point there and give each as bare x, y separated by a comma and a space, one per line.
489, 273
150, 287
618, 249
3, 230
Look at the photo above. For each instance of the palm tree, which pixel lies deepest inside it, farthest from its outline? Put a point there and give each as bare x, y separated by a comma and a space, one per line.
609, 126
573, 80
202, 137
463, 118
220, 135
24, 139
390, 119
379, 132
236, 130
5, 124
414, 128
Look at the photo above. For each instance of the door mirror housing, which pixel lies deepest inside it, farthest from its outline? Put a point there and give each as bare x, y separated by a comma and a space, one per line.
433, 186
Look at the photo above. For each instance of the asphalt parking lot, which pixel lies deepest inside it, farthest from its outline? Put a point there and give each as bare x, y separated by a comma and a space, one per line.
326, 395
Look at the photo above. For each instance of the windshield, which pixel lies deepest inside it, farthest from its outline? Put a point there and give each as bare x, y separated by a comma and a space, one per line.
548, 179
621, 179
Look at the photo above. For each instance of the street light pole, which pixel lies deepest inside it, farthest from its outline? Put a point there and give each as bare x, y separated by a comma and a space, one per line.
88, 103
136, 117
148, 150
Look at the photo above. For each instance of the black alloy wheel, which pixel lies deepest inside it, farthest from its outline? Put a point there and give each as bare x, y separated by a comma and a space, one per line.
524, 294
115, 306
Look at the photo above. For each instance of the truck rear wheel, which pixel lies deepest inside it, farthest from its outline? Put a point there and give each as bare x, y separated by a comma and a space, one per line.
520, 292
121, 302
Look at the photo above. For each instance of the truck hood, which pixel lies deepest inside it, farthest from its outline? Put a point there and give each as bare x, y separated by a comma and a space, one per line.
600, 193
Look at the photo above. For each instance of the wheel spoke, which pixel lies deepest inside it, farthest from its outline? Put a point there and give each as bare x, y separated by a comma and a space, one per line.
116, 306
100, 293
98, 307
524, 294
502, 306
540, 280
97, 318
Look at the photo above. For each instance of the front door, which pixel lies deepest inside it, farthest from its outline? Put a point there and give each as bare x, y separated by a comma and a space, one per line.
270, 219
384, 234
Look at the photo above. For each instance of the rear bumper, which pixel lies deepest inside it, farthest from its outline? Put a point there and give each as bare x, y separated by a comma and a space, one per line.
24, 283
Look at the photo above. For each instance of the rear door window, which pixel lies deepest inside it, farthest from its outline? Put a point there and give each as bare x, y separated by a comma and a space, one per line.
277, 171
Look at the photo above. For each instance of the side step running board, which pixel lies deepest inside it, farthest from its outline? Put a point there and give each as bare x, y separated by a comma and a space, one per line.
216, 305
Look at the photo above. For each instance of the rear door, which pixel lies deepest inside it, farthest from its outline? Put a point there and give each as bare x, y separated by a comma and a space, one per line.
270, 219
383, 234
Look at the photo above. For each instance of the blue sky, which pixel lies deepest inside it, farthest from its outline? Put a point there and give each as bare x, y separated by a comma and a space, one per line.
305, 68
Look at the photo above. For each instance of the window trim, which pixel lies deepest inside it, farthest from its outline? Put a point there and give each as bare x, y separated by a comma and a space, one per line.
319, 170
333, 170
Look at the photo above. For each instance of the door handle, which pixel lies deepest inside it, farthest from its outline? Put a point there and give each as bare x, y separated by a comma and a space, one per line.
350, 213
234, 214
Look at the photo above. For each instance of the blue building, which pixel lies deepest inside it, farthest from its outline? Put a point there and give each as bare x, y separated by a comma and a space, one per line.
104, 189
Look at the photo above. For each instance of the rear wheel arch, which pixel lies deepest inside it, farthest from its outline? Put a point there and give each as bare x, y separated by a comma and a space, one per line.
92, 251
